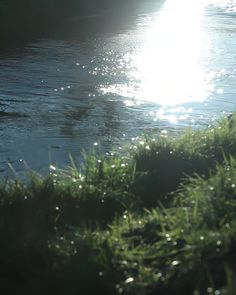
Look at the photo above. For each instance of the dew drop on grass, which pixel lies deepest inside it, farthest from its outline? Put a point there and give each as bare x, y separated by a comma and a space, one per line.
57, 208
129, 280
218, 243
209, 290
217, 292
100, 274
233, 185
175, 262
52, 167
202, 238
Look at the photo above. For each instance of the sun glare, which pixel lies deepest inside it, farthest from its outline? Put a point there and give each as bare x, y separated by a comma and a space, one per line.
170, 66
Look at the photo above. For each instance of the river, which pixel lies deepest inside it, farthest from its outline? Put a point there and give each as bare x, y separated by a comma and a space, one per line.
102, 82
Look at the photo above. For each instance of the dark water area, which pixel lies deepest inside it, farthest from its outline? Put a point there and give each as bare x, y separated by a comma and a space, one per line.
97, 82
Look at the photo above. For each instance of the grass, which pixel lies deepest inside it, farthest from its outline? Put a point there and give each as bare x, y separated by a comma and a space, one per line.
158, 220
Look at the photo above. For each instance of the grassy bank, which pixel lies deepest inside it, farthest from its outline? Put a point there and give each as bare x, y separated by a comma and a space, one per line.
158, 220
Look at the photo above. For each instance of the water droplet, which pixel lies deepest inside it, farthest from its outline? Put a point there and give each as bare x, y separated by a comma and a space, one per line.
80, 186
52, 167
72, 242
57, 208
129, 280
95, 144
100, 274
62, 88
233, 185
113, 166
209, 290
218, 243
202, 238
217, 292
147, 147
175, 262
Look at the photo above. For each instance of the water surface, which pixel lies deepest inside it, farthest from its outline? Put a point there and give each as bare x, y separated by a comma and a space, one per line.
108, 80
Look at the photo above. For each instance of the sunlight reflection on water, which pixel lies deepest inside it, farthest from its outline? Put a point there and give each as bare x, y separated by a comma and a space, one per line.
169, 67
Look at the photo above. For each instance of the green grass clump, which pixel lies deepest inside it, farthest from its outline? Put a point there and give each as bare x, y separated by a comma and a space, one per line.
162, 162
131, 224
188, 246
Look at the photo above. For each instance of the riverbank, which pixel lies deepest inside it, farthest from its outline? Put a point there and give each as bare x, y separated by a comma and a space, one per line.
132, 224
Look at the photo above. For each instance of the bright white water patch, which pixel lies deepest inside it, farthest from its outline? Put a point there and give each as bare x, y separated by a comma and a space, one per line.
171, 64
169, 67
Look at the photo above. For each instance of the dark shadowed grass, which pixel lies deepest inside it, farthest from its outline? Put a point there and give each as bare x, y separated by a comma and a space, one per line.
162, 162
131, 224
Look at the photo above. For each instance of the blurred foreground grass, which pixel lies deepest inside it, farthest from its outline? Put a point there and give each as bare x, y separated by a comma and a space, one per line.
158, 220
